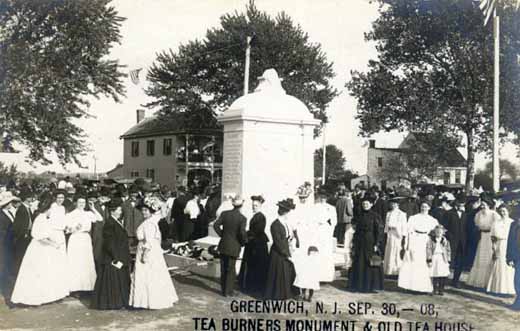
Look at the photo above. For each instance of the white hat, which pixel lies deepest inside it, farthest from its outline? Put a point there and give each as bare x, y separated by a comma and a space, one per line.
7, 197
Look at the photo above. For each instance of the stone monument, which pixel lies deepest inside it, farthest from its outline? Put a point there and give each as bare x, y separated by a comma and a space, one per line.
268, 144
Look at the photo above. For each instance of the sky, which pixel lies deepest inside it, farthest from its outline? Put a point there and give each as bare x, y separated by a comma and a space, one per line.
153, 26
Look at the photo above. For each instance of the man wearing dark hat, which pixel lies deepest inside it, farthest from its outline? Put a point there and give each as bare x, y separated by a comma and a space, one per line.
456, 227
513, 258
22, 229
178, 216
439, 213
231, 227
132, 215
8, 204
97, 201
472, 231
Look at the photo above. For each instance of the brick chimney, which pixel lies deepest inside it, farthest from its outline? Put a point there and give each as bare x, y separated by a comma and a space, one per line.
372, 143
140, 115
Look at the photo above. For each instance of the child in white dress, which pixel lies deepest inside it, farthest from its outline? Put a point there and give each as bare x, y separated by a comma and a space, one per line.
438, 256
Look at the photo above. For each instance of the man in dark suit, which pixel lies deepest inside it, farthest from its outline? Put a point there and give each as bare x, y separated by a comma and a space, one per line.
513, 258
178, 216
7, 214
22, 225
455, 222
132, 216
231, 227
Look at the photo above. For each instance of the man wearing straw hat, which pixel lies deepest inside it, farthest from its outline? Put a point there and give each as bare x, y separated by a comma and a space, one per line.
7, 215
231, 227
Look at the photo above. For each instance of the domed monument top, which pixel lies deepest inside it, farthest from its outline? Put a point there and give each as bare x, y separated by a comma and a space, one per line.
268, 102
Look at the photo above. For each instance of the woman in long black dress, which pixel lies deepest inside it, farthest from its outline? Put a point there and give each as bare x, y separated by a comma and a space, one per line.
112, 287
367, 241
281, 274
253, 270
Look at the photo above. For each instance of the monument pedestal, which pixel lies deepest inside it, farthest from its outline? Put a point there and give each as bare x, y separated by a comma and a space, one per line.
268, 145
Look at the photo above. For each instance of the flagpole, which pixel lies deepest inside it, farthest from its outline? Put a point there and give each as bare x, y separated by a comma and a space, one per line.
496, 102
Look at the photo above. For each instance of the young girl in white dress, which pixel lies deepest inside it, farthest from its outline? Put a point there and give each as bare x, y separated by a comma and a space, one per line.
43, 273
501, 280
414, 274
438, 256
152, 286
80, 256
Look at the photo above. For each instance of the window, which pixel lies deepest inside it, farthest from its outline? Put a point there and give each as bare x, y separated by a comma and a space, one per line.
150, 147
134, 174
380, 162
150, 173
135, 148
458, 176
447, 177
167, 147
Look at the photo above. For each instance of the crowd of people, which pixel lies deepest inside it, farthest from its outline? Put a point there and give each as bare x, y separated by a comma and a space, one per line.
108, 242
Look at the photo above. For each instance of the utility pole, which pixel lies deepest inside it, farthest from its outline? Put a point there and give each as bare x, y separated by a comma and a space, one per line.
246, 74
95, 167
324, 164
496, 103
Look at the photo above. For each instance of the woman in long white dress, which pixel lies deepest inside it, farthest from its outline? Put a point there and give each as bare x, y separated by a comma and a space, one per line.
43, 273
80, 256
501, 280
481, 270
395, 229
152, 286
304, 227
414, 274
326, 216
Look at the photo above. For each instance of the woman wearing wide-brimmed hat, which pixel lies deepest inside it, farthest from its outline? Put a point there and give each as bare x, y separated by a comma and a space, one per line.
280, 275
255, 261
414, 274
501, 280
481, 269
152, 286
112, 287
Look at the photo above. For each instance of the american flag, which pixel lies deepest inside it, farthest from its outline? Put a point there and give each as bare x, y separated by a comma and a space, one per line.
134, 75
488, 7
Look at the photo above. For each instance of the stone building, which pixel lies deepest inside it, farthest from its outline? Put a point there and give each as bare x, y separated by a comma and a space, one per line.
168, 154
451, 173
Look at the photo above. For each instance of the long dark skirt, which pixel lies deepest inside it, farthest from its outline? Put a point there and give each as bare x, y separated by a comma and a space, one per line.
363, 277
254, 267
280, 278
112, 288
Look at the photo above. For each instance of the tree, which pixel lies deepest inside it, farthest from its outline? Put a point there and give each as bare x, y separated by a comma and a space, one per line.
205, 76
334, 162
8, 174
507, 170
434, 73
54, 56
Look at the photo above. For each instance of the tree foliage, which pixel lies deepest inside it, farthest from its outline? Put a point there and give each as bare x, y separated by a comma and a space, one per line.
8, 174
54, 56
205, 76
434, 72
334, 162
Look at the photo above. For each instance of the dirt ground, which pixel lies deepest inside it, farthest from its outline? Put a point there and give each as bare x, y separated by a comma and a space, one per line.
199, 297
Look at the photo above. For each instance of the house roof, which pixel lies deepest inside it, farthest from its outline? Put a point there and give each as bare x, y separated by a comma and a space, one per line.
155, 126
453, 157
117, 167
